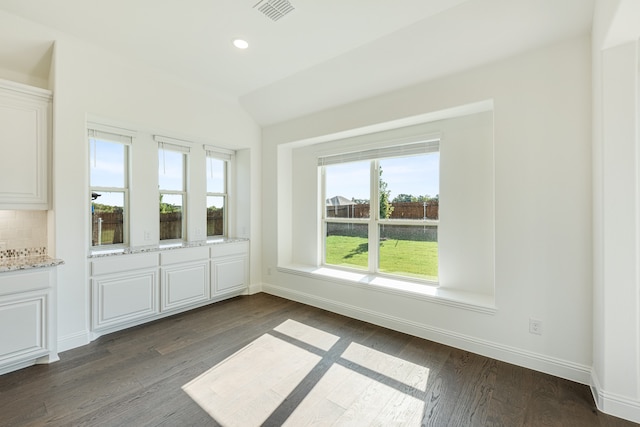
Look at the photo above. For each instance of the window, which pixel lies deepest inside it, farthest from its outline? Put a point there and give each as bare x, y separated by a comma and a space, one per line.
172, 166
402, 183
109, 187
217, 191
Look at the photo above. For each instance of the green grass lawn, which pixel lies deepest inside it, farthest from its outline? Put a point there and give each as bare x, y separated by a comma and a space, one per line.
405, 257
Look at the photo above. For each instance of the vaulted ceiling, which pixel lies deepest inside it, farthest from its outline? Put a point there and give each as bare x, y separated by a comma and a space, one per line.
322, 54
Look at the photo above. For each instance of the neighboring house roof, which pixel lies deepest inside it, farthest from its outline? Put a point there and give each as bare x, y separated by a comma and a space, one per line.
339, 201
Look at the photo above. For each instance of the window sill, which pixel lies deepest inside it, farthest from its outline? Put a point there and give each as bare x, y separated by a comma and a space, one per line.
172, 243
108, 249
482, 303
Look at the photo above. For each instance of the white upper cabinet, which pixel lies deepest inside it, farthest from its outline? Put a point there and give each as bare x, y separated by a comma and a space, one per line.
25, 114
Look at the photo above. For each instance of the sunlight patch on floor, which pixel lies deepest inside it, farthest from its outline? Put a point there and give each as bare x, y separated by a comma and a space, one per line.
313, 336
346, 397
392, 367
352, 384
244, 389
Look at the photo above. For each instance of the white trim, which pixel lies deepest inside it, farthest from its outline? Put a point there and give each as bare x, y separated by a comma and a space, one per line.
254, 288
74, 340
218, 153
94, 135
110, 131
404, 287
23, 89
614, 404
174, 144
417, 120
528, 359
173, 147
412, 146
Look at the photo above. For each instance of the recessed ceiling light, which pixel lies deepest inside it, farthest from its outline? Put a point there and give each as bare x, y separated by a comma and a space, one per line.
240, 44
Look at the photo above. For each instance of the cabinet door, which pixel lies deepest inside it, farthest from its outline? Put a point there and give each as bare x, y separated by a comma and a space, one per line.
184, 285
123, 298
22, 328
24, 129
228, 275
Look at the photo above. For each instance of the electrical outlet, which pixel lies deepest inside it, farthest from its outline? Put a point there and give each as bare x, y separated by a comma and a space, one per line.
535, 326
147, 236
269, 271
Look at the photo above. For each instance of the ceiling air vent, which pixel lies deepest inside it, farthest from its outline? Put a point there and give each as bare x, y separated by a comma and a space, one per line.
274, 9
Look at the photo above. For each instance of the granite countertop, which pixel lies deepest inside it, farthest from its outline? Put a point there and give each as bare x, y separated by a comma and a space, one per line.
111, 251
28, 262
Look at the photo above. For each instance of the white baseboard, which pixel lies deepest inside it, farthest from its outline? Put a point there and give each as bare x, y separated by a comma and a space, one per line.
254, 288
613, 404
70, 341
528, 359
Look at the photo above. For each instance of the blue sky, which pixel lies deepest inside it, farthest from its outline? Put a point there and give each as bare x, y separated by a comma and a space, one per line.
417, 175
107, 170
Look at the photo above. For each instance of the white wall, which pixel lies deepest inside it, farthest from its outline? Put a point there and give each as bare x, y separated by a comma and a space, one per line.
616, 195
86, 80
542, 108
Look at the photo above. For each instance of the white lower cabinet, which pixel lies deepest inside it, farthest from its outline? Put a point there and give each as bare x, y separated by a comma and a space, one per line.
124, 290
122, 298
228, 275
27, 322
229, 268
185, 277
128, 290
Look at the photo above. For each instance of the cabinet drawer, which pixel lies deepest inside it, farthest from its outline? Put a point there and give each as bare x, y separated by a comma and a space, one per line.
120, 263
11, 283
226, 249
176, 256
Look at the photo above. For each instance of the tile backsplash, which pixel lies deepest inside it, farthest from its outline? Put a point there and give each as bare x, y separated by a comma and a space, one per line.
23, 230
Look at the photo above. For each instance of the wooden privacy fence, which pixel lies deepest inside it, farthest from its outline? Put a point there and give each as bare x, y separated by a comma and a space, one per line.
171, 225
215, 222
401, 210
107, 227
426, 233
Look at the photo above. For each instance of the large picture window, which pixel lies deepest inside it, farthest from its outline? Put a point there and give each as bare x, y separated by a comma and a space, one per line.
382, 210
172, 167
109, 187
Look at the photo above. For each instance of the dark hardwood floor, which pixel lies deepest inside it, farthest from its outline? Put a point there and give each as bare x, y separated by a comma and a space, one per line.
144, 376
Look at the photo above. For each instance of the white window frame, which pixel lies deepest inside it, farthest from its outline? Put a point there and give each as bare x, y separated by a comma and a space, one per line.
98, 131
374, 221
170, 144
228, 157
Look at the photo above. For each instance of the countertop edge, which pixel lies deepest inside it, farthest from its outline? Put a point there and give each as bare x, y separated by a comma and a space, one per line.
104, 253
28, 263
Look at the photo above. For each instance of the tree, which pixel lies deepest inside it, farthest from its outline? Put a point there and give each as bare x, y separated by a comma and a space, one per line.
403, 198
386, 208
98, 207
427, 198
166, 208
